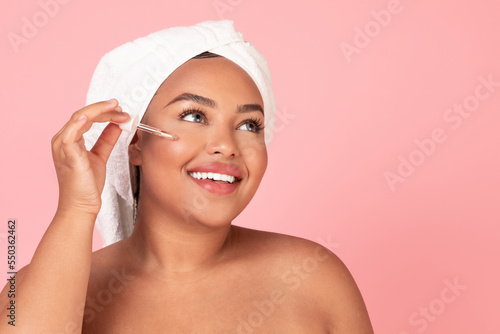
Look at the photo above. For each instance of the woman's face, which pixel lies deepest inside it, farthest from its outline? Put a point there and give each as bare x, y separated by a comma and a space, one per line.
216, 110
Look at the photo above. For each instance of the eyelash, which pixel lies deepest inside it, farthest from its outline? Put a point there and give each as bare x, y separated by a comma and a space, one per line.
259, 126
190, 111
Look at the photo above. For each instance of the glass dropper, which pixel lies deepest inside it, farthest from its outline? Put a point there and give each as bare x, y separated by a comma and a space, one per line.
133, 124
156, 131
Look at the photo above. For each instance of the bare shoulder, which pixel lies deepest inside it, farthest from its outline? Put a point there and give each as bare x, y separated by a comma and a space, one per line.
109, 272
106, 261
314, 274
285, 250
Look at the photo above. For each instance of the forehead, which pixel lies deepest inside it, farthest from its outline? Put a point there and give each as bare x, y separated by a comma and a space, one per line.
217, 78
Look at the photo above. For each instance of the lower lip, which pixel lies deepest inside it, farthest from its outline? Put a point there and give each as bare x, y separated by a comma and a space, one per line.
222, 188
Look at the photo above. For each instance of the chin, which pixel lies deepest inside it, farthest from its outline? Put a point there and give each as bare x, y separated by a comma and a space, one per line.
211, 219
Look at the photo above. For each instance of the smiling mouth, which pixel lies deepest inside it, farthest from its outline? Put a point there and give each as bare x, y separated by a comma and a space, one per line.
216, 177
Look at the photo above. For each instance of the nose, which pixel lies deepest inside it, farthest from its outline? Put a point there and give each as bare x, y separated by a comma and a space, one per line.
222, 141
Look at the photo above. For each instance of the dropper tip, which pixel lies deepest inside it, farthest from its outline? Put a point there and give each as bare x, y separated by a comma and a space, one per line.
169, 136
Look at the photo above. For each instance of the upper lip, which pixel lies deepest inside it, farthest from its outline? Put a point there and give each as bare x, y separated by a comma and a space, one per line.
220, 168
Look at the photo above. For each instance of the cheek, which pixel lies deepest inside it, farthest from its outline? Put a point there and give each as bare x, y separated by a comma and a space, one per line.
162, 154
190, 135
255, 158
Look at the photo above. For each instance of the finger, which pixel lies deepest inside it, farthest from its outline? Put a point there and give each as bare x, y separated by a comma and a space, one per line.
69, 143
112, 116
101, 112
107, 140
109, 116
92, 111
64, 135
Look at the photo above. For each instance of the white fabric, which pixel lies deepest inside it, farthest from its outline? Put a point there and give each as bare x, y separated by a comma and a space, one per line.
133, 72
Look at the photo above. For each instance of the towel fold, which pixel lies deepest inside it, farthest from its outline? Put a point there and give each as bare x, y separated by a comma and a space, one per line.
133, 72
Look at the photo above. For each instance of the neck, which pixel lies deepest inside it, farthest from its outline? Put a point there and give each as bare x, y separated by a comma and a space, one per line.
169, 245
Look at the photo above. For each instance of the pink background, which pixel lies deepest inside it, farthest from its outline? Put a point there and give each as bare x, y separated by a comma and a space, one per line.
344, 122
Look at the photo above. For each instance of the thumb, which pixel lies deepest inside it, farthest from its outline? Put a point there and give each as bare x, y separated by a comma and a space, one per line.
107, 140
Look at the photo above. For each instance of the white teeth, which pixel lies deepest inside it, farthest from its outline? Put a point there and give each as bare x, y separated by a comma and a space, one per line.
213, 176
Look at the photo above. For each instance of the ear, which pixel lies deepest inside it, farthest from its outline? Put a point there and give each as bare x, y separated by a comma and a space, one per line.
134, 151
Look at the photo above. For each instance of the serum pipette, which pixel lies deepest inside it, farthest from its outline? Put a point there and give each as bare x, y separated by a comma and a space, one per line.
133, 124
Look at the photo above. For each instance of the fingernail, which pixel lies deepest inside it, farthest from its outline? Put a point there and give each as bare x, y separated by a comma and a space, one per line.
111, 101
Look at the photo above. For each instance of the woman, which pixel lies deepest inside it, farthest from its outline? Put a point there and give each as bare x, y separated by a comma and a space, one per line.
185, 268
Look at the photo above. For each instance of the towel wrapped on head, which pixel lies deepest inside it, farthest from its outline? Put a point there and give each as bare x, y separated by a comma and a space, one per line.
133, 72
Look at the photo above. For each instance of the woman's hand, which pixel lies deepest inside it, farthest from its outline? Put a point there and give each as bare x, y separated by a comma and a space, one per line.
81, 173
66, 246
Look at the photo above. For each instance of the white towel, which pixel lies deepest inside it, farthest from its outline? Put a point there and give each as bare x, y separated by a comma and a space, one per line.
133, 72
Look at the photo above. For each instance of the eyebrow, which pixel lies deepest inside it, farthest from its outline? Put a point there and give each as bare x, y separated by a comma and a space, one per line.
212, 104
195, 98
250, 107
